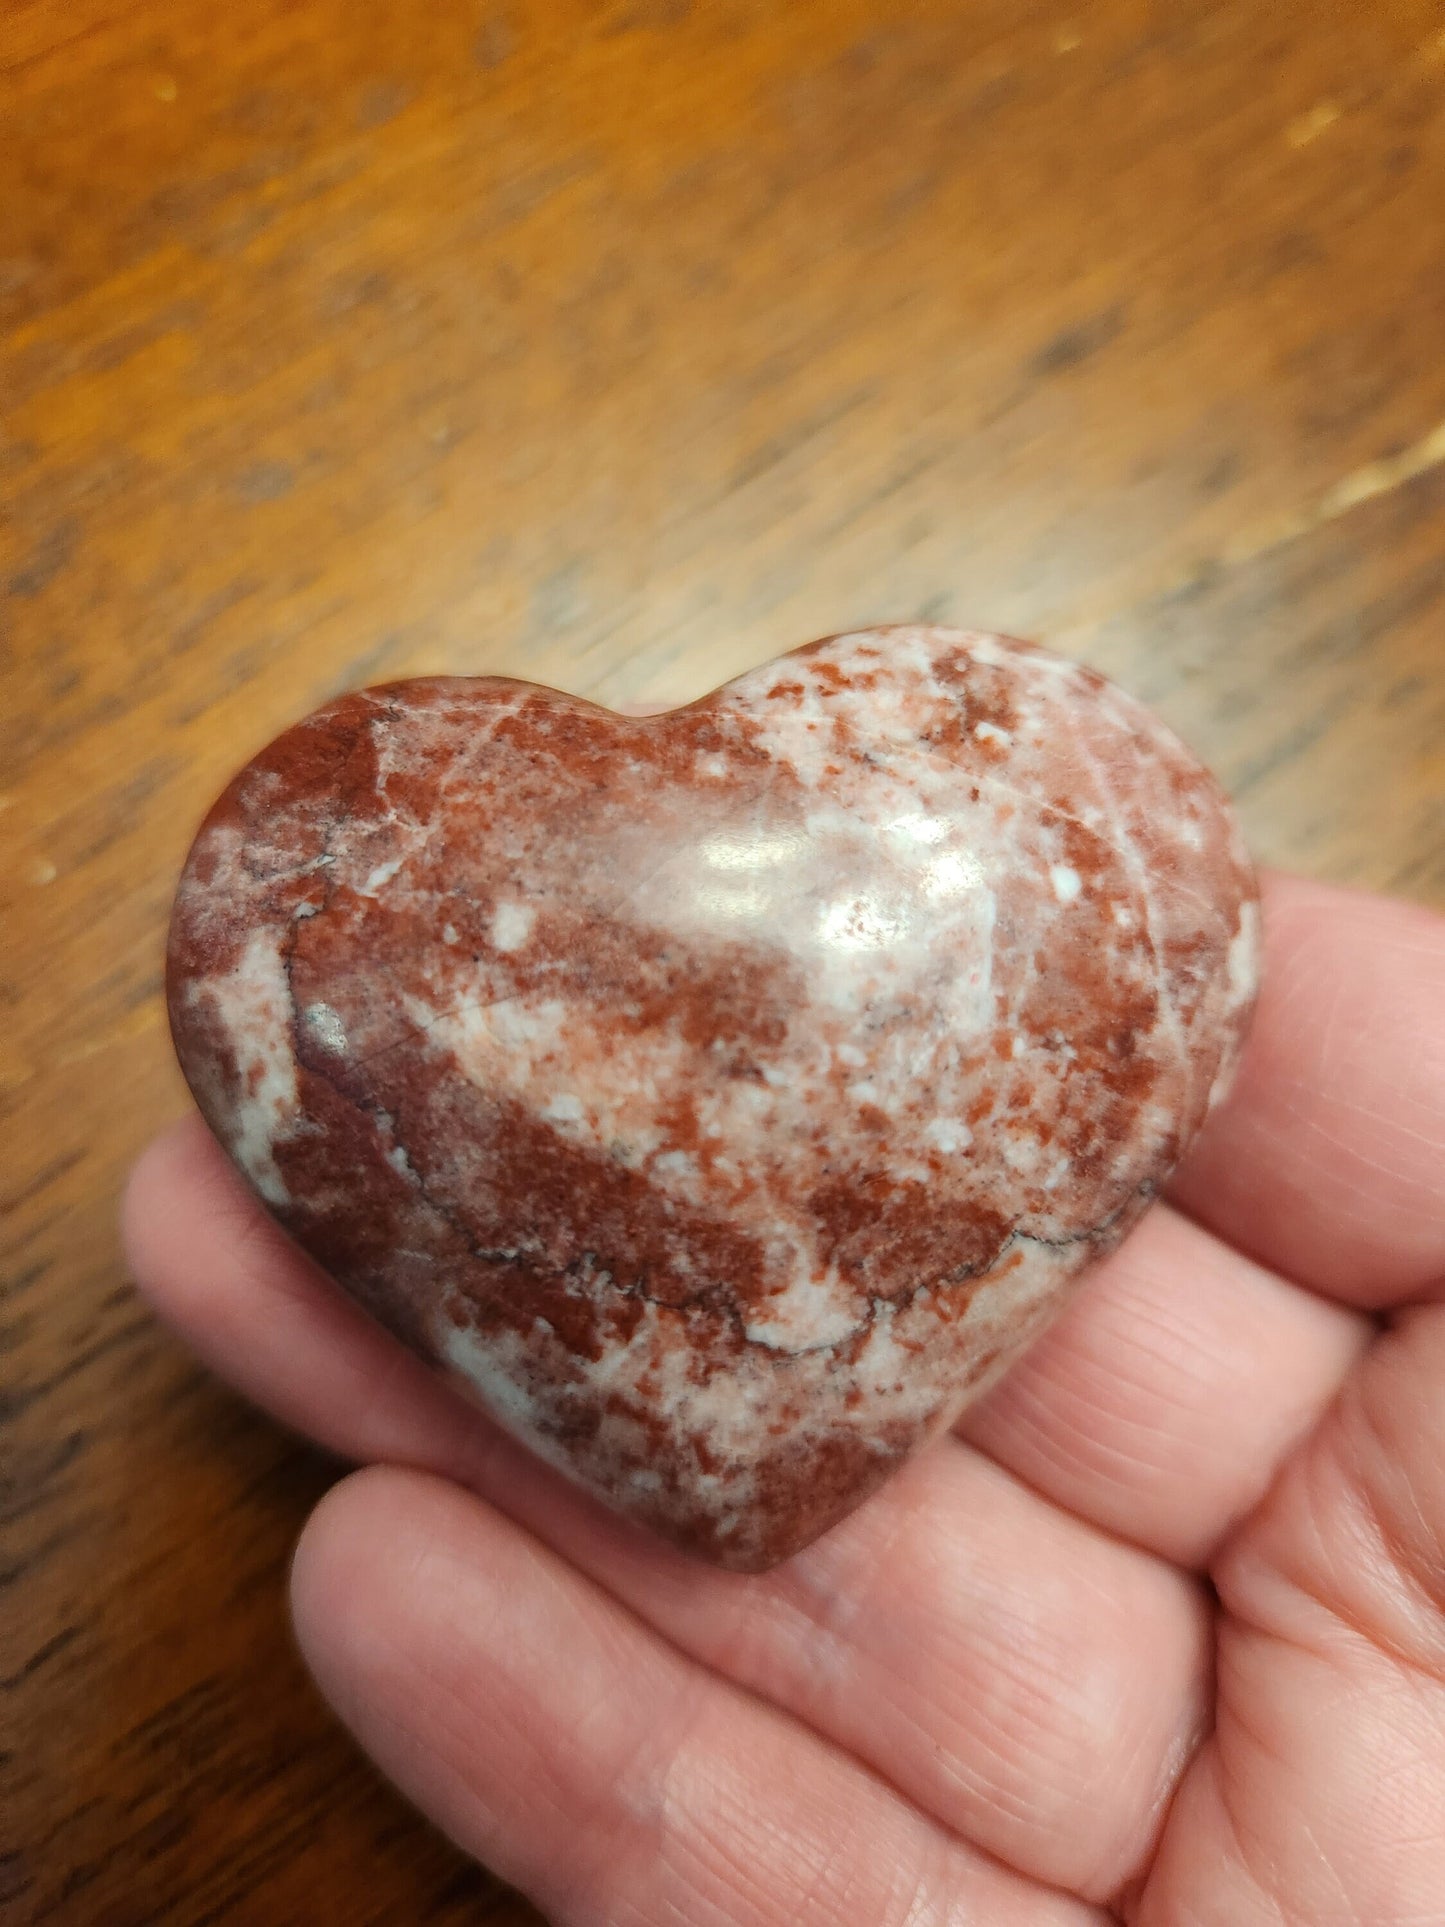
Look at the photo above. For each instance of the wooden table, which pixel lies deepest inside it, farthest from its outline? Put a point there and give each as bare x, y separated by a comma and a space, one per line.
617, 343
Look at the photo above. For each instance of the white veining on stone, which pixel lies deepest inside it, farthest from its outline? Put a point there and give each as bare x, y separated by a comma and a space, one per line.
252, 1004
512, 925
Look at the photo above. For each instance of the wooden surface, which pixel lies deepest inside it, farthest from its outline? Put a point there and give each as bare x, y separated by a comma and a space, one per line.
617, 343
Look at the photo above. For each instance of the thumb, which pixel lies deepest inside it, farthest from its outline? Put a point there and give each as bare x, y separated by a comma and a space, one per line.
1322, 1794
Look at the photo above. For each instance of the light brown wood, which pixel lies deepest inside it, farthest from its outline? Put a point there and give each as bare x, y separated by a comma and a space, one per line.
616, 343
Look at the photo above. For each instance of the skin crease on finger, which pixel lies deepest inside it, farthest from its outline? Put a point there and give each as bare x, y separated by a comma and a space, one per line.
682, 1797
1115, 1413
1099, 1443
1320, 1798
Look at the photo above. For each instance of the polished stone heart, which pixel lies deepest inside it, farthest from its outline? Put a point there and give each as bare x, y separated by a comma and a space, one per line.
724, 1095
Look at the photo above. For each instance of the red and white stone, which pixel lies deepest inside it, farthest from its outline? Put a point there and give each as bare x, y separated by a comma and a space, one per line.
724, 1095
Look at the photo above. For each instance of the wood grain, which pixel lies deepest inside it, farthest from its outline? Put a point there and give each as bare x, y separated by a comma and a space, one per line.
620, 344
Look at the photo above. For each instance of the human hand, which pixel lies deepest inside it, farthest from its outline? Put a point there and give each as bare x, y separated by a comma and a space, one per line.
1158, 1636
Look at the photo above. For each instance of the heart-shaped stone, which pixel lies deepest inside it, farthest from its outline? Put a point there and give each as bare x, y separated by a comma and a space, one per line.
725, 1095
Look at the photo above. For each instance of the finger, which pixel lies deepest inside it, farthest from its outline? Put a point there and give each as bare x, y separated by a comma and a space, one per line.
1327, 1161
1173, 1385
1034, 1685
550, 1734
1322, 1795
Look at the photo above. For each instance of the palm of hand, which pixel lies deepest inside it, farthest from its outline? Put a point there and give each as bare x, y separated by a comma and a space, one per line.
1159, 1637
